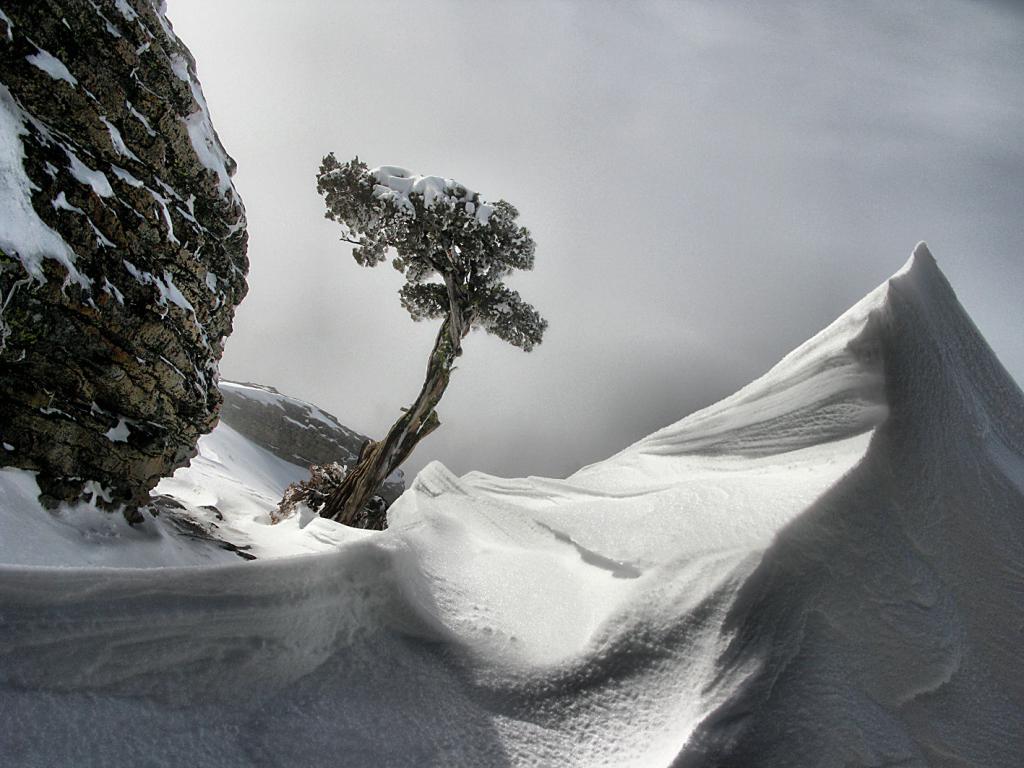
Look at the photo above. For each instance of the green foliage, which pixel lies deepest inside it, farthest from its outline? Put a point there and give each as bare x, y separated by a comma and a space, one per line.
453, 248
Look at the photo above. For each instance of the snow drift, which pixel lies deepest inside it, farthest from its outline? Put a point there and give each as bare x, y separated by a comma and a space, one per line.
826, 568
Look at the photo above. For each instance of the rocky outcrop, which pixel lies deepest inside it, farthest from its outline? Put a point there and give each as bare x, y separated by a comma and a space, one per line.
122, 248
296, 431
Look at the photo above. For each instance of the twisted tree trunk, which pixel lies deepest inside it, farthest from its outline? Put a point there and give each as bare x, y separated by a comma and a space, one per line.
378, 459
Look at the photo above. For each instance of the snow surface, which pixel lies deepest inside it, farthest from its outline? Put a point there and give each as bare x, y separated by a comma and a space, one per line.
80, 536
825, 569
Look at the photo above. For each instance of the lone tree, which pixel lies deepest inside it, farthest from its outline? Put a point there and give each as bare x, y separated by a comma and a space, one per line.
454, 250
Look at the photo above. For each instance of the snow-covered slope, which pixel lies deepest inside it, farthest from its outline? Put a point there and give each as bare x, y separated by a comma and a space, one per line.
212, 511
825, 569
224, 497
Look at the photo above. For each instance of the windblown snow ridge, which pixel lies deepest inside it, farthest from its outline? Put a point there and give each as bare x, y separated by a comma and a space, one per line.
825, 569
885, 620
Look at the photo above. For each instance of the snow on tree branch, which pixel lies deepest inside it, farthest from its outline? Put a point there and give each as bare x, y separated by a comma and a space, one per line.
453, 247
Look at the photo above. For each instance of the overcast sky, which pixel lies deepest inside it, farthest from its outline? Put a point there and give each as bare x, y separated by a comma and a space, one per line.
709, 184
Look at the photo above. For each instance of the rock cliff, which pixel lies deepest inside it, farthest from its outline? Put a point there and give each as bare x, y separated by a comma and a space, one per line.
122, 248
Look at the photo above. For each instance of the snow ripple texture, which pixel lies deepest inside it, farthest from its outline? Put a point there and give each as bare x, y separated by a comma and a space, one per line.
825, 569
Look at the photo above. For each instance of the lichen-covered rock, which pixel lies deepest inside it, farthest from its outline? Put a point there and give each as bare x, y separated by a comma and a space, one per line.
122, 248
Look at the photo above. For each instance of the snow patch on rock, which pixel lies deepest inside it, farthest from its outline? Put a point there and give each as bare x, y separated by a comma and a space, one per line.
118, 141
24, 234
51, 65
204, 138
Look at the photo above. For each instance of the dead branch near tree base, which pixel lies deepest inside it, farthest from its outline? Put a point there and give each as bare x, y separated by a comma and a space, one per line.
324, 479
